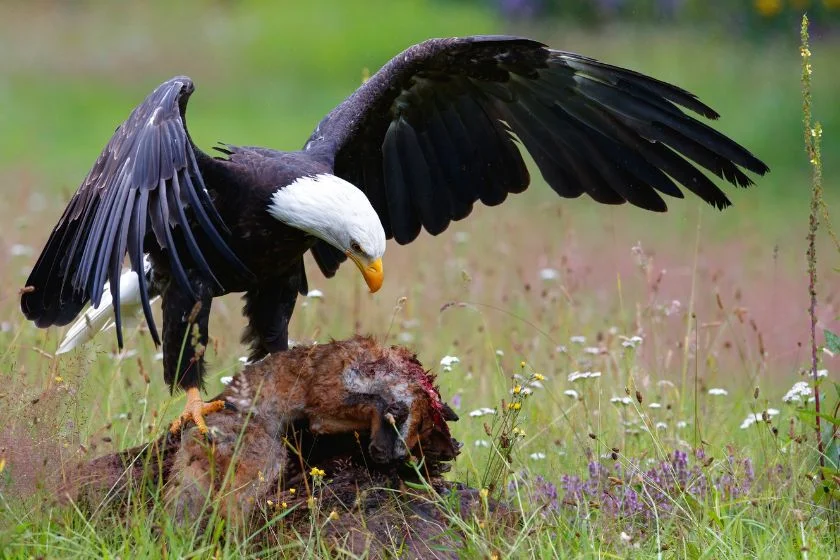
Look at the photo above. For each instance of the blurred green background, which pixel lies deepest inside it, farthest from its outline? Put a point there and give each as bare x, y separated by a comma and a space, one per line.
266, 72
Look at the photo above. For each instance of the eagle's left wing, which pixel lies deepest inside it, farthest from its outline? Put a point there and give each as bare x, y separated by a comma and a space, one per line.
434, 131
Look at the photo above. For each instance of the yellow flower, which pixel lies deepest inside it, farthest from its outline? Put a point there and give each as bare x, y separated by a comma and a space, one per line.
333, 516
539, 377
517, 389
522, 365
768, 8
317, 473
517, 406
283, 505
58, 379
2, 464
484, 492
292, 491
270, 503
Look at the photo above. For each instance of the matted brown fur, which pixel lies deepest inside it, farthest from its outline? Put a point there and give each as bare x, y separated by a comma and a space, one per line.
357, 410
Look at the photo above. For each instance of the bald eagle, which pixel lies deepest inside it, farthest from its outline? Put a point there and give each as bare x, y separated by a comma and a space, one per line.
432, 132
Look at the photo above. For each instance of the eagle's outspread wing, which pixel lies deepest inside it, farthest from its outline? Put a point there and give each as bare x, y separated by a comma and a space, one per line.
147, 177
434, 131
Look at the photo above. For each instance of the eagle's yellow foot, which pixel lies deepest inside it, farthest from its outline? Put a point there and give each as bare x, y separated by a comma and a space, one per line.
194, 411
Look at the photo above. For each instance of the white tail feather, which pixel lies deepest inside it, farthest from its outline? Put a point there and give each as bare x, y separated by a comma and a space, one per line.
98, 319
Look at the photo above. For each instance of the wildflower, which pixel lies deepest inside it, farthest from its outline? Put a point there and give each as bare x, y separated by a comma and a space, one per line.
549, 274
310, 501
500, 353
717, 391
226, 380
269, 503
316, 473
654, 405
822, 373
578, 339
484, 492
514, 406
19, 250
682, 424
800, 389
575, 375
517, 389
261, 476
621, 400
538, 456
661, 426
517, 431
594, 350
448, 361
292, 491
482, 443
482, 412
522, 365
539, 377
283, 505
2, 464
631, 342
571, 393
58, 379
315, 294
333, 516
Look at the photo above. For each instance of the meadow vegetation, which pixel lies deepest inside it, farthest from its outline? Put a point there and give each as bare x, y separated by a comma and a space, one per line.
645, 371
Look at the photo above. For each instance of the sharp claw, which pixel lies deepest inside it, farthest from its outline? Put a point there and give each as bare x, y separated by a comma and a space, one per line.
194, 411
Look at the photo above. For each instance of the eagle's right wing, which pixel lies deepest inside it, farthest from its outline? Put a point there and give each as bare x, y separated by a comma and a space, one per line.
146, 177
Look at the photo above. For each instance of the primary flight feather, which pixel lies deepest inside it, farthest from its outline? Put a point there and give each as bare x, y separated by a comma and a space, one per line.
437, 129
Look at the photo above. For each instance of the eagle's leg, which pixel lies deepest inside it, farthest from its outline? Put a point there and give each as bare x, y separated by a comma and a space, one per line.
185, 334
269, 307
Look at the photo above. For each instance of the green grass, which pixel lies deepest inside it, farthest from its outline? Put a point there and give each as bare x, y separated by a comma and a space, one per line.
265, 75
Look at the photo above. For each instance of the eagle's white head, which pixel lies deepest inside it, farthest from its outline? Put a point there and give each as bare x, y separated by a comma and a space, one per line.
337, 212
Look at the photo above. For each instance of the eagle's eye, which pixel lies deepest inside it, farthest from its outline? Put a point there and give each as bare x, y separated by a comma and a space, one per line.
355, 247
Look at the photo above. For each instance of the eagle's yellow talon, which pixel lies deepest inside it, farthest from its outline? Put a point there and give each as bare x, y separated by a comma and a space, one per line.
194, 411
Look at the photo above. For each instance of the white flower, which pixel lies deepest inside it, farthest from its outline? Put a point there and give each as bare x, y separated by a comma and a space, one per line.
549, 274
682, 424
654, 405
621, 400
578, 339
575, 375
19, 250
753, 418
561, 349
718, 391
448, 361
661, 426
500, 353
406, 337
538, 456
226, 380
800, 389
536, 384
315, 294
630, 342
482, 443
625, 537
822, 373
482, 412
571, 393
594, 350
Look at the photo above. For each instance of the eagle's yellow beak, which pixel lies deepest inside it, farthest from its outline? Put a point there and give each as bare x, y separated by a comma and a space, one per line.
372, 273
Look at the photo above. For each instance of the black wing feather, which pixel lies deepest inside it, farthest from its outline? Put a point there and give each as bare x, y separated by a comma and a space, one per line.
147, 178
439, 119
